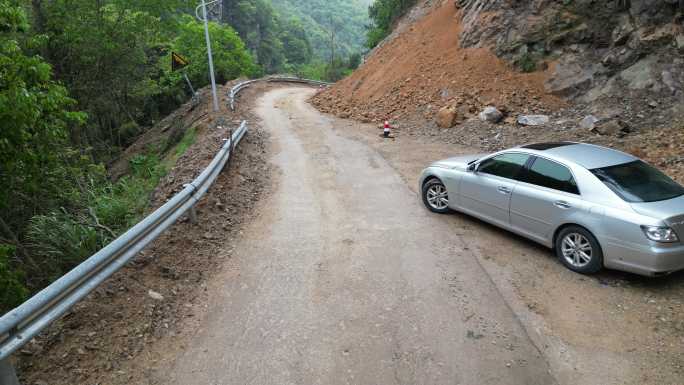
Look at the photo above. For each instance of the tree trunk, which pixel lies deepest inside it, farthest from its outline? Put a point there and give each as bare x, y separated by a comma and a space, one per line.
38, 15
23, 255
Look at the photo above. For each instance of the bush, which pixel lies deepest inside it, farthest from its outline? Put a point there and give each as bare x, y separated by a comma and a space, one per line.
526, 63
12, 290
59, 242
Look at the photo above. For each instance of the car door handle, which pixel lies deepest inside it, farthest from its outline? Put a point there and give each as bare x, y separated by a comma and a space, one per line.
504, 190
562, 204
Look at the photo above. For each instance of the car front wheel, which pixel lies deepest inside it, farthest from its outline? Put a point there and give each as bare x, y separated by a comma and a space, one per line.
579, 250
436, 197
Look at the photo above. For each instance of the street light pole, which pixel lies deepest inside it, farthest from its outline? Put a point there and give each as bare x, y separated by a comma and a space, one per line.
211, 60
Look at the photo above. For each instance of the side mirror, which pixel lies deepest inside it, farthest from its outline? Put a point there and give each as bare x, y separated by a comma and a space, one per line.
472, 167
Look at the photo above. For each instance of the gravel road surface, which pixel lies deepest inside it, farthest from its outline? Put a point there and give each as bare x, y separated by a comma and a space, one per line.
346, 279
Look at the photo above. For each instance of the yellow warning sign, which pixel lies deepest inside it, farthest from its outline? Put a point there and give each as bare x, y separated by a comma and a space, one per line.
178, 61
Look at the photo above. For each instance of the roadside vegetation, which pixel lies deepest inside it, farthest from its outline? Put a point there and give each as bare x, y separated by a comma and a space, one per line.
383, 15
79, 82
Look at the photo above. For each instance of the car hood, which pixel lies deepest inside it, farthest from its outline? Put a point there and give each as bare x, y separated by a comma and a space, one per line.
460, 162
671, 210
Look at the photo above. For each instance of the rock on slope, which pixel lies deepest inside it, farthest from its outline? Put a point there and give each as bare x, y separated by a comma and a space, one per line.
602, 47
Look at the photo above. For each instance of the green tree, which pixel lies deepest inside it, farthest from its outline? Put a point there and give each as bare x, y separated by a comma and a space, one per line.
103, 52
34, 163
349, 18
231, 59
383, 14
36, 117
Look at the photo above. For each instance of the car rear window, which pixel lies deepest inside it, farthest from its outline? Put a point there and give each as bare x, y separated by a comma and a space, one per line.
551, 175
639, 182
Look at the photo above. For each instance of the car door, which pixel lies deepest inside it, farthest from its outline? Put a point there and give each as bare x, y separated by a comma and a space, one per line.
546, 195
486, 192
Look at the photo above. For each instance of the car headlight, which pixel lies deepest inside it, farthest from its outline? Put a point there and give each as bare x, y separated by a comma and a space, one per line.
660, 233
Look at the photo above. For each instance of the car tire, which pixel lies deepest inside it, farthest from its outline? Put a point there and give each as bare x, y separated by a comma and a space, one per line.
579, 250
434, 192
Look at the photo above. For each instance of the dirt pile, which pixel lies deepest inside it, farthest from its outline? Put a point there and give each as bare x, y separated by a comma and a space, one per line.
425, 69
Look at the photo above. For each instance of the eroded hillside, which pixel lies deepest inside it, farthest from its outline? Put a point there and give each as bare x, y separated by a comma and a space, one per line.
616, 66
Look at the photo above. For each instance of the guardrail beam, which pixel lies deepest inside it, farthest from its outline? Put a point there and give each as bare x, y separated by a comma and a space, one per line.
7, 374
21, 324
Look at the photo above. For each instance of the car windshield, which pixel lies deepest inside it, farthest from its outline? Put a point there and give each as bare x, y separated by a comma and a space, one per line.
638, 182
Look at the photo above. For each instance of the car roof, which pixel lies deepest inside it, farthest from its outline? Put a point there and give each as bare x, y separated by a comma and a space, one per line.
586, 155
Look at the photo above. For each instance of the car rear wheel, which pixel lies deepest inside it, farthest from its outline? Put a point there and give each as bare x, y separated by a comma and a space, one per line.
436, 197
579, 250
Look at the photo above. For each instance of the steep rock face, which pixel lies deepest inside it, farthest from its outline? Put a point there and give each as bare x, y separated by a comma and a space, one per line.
599, 47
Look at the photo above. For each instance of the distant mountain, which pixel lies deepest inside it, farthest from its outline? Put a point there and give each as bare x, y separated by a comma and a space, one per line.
348, 19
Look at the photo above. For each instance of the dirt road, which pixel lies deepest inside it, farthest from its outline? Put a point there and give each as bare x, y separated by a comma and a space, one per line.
346, 279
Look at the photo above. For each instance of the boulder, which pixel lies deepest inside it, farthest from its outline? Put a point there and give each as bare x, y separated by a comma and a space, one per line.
642, 75
679, 42
532, 120
589, 122
670, 82
447, 117
491, 114
614, 127
623, 30
607, 89
155, 296
463, 111
572, 77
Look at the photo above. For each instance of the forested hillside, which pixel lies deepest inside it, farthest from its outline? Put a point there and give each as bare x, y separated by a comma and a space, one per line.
300, 36
383, 15
347, 19
80, 80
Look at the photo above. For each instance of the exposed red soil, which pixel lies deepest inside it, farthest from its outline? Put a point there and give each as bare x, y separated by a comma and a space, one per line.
424, 68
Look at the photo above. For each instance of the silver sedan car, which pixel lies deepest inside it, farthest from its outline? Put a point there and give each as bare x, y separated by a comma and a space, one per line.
597, 207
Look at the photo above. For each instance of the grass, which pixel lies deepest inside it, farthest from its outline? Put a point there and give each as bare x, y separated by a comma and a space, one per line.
103, 210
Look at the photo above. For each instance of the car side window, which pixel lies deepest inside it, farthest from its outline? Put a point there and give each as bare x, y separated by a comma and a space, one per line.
552, 175
506, 165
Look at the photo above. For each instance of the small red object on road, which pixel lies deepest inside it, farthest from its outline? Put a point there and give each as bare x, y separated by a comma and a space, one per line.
386, 131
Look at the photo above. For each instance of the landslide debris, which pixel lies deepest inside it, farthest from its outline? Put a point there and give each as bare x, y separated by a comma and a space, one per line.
424, 69
447, 64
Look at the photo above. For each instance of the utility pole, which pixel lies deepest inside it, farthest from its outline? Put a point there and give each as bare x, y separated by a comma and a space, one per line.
205, 19
331, 70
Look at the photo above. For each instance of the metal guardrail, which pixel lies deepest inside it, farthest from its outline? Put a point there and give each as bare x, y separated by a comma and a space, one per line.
20, 325
23, 323
285, 79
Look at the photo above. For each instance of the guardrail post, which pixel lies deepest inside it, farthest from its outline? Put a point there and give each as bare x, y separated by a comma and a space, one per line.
232, 144
192, 214
7, 374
